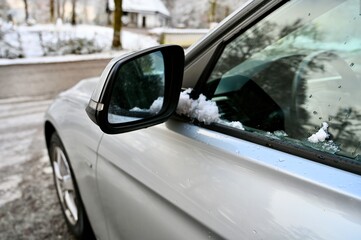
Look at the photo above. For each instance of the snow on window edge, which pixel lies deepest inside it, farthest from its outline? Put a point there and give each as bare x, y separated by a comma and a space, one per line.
203, 110
321, 135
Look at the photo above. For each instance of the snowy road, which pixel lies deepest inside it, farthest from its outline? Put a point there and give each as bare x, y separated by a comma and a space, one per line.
20, 124
29, 208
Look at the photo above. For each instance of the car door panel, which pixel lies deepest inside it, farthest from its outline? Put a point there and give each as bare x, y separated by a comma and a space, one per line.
210, 184
138, 201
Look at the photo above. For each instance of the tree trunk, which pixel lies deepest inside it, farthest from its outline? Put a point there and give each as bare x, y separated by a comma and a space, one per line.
85, 18
109, 12
58, 15
26, 10
73, 14
213, 8
117, 24
52, 19
63, 9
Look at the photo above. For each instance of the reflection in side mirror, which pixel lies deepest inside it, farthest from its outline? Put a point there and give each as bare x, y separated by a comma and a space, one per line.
138, 89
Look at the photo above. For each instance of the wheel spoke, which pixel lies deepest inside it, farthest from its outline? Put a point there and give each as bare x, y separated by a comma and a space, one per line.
57, 165
67, 184
70, 203
57, 171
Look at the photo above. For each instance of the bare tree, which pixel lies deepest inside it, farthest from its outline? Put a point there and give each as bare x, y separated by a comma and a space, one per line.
109, 12
169, 4
212, 10
4, 11
52, 10
59, 5
117, 24
73, 13
58, 8
62, 9
26, 6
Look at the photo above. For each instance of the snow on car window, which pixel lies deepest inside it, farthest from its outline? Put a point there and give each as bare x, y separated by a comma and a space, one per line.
319, 140
203, 110
321, 135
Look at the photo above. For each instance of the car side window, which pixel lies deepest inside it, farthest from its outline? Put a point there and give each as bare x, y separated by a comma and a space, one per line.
296, 75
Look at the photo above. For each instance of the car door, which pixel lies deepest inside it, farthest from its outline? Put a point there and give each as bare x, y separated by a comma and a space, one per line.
280, 159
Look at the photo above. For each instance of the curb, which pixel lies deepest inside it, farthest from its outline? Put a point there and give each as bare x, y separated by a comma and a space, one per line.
60, 59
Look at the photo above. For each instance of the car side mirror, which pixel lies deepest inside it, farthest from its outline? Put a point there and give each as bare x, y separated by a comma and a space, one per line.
138, 90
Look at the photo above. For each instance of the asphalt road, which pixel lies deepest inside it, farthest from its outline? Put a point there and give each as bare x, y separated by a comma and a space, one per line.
45, 79
29, 207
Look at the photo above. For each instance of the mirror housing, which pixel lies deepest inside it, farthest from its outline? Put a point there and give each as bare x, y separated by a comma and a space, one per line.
115, 76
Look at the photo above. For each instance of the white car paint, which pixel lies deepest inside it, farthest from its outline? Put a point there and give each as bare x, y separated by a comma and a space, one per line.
233, 189
181, 181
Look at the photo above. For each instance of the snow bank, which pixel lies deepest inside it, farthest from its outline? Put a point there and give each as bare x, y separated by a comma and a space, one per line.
58, 40
161, 30
203, 110
321, 135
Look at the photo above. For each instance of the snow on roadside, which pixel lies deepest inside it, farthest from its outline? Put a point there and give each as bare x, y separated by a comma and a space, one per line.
58, 40
160, 30
66, 58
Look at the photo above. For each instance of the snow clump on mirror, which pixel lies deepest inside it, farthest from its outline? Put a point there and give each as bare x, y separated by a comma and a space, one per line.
321, 135
203, 110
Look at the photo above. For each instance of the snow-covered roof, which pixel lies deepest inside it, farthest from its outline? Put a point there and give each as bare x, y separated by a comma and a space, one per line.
154, 6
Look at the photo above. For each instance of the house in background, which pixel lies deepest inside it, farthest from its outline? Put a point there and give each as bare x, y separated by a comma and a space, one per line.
143, 13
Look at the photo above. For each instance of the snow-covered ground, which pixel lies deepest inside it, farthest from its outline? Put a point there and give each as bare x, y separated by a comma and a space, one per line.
46, 42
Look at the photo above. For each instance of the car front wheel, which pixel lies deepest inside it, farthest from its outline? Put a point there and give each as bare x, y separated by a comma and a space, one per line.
67, 191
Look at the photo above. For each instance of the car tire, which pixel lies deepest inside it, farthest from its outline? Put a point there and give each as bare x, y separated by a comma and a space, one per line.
67, 191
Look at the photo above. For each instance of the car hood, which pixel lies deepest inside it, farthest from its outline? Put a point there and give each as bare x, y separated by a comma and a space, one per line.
82, 91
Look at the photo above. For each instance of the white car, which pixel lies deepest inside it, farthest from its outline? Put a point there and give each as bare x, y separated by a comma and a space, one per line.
253, 133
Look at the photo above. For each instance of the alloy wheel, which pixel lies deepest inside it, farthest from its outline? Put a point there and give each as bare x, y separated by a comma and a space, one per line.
65, 186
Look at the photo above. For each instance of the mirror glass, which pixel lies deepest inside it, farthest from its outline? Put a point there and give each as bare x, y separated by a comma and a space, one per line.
138, 89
